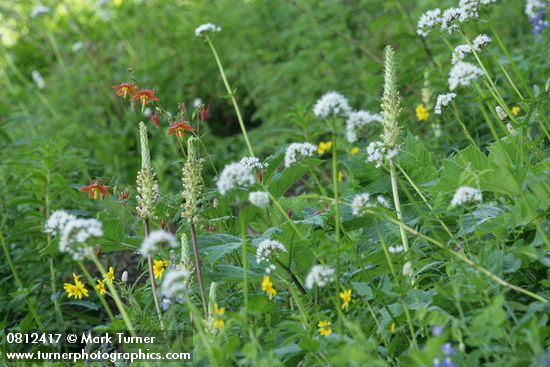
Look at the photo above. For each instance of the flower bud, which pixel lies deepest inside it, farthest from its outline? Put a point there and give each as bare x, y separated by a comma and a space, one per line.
407, 269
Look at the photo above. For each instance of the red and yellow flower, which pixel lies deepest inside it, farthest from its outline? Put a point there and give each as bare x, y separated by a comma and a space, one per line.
178, 128
125, 89
96, 190
145, 96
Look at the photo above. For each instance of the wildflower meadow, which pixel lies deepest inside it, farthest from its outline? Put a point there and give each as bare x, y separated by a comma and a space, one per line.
275, 183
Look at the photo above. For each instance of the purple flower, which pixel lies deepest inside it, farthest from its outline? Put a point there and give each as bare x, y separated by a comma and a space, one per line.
436, 330
538, 23
448, 349
166, 302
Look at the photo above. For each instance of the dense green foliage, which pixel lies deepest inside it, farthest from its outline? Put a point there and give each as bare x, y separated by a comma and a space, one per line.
480, 271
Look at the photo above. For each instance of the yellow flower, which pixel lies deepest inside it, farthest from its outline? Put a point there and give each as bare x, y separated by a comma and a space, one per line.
158, 268
516, 110
422, 113
217, 312
76, 290
346, 298
340, 176
100, 287
267, 287
354, 150
393, 328
324, 146
324, 328
110, 276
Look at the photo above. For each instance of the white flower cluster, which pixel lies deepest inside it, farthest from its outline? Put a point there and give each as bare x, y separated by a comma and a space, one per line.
395, 249
363, 201
234, 175
75, 235
452, 17
461, 51
465, 194
449, 19
57, 221
357, 120
462, 74
259, 199
481, 41
73, 232
428, 21
207, 27
377, 153
266, 249
331, 104
156, 238
174, 283
297, 150
253, 163
443, 100
533, 7
319, 275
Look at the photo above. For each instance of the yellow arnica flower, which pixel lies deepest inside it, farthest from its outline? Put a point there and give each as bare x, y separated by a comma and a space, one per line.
217, 312
76, 290
422, 113
393, 328
158, 268
324, 328
110, 276
267, 287
100, 287
346, 299
354, 150
516, 110
340, 176
324, 147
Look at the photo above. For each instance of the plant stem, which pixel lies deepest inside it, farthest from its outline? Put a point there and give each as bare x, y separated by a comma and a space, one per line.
198, 266
152, 277
336, 207
245, 267
293, 277
397, 204
232, 96
463, 258
115, 296
20, 284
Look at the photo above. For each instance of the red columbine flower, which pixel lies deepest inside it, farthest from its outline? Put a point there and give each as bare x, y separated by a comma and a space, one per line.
178, 128
96, 190
204, 111
144, 96
155, 118
124, 89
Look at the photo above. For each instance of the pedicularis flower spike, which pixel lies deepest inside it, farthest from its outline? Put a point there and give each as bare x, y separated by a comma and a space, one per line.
192, 180
391, 101
146, 183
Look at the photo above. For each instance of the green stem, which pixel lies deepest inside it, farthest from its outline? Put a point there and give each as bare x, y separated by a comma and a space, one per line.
20, 284
114, 294
397, 204
336, 206
245, 268
232, 96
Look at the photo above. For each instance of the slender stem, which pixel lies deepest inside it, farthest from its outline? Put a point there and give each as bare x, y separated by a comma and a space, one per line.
232, 96
463, 258
397, 204
101, 298
115, 296
152, 277
293, 277
336, 206
245, 267
20, 284
198, 266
